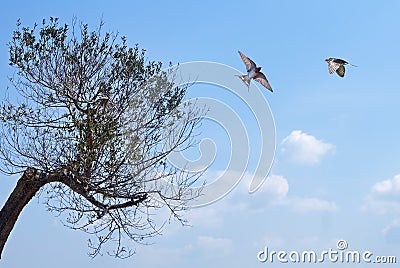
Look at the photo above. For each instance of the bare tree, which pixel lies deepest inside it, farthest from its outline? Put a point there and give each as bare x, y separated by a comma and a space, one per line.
89, 124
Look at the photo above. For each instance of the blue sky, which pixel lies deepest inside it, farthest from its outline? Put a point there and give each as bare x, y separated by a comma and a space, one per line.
337, 165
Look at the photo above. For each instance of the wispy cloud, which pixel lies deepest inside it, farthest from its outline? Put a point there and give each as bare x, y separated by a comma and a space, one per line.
207, 217
392, 231
387, 187
215, 246
275, 192
304, 204
274, 189
384, 196
304, 148
395, 224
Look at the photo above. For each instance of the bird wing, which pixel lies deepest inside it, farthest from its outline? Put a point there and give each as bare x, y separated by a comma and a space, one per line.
340, 61
248, 62
340, 71
343, 62
333, 66
260, 78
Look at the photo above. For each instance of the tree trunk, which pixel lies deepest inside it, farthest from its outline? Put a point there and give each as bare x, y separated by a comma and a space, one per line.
27, 187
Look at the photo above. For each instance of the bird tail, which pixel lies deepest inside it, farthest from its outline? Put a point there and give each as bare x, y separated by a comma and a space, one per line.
245, 79
353, 65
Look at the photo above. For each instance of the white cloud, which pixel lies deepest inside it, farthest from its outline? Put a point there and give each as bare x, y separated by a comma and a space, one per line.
276, 185
301, 204
395, 224
392, 231
272, 192
387, 187
215, 246
275, 191
271, 240
384, 196
276, 188
304, 148
381, 206
207, 217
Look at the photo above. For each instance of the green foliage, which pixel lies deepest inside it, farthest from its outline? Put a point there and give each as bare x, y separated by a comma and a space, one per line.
93, 106
81, 86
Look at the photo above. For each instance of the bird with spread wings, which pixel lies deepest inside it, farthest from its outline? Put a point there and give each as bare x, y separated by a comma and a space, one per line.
253, 72
337, 65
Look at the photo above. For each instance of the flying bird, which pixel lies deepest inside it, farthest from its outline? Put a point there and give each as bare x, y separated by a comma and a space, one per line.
337, 65
253, 72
